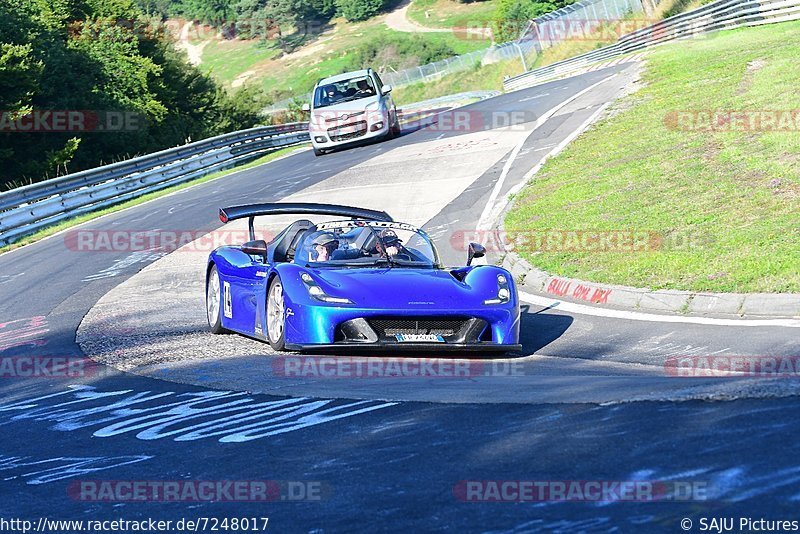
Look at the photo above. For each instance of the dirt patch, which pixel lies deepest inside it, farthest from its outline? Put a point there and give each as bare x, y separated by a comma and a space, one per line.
711, 150
242, 78
749, 73
784, 189
398, 20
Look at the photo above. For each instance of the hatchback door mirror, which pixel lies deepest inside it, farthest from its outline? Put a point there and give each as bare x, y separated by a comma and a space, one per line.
476, 250
386, 89
256, 248
306, 107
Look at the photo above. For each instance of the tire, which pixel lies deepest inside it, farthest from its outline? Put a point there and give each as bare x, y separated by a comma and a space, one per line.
396, 130
318, 152
214, 302
276, 315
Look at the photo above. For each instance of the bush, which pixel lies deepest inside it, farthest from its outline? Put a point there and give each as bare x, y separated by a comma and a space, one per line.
355, 10
242, 109
399, 52
511, 16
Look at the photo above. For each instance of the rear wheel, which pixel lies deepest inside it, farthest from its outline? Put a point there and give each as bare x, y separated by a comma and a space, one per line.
276, 315
213, 302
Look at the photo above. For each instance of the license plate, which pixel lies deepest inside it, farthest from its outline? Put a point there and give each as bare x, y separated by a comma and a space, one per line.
419, 338
347, 130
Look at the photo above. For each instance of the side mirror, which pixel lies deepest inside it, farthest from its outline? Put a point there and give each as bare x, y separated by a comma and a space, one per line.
256, 248
306, 107
475, 250
386, 89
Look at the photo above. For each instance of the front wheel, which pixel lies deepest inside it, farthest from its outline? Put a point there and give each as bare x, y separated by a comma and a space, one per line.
213, 301
318, 152
396, 130
276, 315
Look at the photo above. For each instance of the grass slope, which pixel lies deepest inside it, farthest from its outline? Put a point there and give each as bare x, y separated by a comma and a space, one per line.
320, 55
486, 77
734, 196
452, 14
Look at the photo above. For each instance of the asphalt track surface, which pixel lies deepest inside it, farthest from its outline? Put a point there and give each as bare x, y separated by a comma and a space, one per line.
384, 466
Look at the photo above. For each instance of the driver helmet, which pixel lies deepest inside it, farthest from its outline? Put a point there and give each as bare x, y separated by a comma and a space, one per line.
326, 239
389, 237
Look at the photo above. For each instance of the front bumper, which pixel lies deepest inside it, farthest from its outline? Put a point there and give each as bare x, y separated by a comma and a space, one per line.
490, 328
382, 347
331, 142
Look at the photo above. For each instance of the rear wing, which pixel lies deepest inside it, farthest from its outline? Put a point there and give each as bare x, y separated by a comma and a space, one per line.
252, 211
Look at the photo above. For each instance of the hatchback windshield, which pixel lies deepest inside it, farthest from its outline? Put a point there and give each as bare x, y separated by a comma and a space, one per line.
367, 244
343, 91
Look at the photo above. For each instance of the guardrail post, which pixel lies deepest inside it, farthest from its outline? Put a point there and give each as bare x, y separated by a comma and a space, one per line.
521, 57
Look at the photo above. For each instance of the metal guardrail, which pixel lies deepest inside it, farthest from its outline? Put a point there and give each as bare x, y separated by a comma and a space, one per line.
449, 99
579, 19
718, 15
25, 210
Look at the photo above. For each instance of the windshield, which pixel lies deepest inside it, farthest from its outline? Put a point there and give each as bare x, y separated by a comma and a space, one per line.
343, 91
366, 244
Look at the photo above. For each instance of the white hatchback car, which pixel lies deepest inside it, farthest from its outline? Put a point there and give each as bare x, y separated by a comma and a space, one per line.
351, 108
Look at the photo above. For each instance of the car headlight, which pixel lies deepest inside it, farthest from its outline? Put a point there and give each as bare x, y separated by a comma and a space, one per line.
503, 293
375, 112
318, 293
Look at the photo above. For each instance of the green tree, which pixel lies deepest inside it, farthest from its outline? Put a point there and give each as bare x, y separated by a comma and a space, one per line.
511, 16
101, 56
356, 10
243, 108
398, 52
215, 12
19, 76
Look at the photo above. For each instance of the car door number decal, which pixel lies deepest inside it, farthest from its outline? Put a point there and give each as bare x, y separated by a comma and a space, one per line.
228, 304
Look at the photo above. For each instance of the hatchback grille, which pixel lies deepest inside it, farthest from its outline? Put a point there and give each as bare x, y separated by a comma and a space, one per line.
346, 116
361, 130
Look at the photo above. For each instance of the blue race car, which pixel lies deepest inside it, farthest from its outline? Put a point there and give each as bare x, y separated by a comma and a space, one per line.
363, 283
